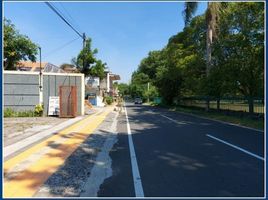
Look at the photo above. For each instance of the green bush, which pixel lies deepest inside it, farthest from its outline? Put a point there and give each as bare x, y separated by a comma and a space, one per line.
8, 112
109, 100
38, 111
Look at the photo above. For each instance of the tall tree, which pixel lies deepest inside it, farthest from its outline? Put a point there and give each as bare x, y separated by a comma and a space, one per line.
87, 63
85, 59
98, 69
212, 18
240, 49
17, 46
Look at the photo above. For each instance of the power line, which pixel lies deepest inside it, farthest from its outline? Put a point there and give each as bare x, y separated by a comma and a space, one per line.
61, 47
70, 17
65, 20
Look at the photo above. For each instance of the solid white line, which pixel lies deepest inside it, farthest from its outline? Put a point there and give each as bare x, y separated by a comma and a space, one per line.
236, 147
135, 169
169, 118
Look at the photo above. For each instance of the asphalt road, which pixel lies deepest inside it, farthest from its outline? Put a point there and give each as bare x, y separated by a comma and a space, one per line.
179, 155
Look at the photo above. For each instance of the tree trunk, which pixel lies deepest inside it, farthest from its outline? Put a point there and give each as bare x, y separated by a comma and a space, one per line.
250, 105
208, 44
218, 104
207, 104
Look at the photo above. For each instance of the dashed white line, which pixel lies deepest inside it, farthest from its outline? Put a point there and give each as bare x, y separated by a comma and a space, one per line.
236, 147
180, 123
134, 165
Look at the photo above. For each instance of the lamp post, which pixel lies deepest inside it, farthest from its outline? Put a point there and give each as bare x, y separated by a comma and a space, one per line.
40, 79
40, 71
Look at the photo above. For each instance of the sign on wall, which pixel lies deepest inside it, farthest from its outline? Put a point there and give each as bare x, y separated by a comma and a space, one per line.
54, 105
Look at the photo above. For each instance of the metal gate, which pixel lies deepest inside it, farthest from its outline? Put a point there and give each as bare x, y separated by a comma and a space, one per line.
68, 101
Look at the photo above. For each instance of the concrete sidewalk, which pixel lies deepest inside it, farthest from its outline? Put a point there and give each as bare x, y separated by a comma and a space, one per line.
37, 135
30, 162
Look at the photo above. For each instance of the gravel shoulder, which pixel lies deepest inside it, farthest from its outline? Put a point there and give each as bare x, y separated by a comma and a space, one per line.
80, 173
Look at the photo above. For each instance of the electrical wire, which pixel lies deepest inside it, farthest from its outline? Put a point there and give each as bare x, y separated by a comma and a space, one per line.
63, 18
59, 48
70, 17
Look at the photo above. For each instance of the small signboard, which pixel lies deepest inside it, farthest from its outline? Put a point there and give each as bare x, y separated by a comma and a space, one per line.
54, 105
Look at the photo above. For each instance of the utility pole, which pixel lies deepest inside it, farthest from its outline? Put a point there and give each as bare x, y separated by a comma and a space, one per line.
40, 78
84, 45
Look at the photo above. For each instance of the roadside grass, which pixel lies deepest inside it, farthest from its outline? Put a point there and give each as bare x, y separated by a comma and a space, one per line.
244, 120
11, 113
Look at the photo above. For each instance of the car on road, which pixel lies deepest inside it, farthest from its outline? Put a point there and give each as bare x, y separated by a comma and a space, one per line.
138, 100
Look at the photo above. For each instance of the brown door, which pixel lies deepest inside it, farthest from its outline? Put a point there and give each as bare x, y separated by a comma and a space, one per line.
68, 101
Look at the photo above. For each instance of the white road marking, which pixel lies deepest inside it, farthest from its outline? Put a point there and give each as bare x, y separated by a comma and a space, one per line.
236, 147
134, 165
181, 123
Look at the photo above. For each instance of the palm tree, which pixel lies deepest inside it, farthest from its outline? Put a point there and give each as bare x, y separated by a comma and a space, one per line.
212, 18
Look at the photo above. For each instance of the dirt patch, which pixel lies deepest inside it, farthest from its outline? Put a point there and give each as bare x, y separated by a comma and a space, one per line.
16, 129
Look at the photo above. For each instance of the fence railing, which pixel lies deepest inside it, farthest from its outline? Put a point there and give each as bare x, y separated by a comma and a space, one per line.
224, 104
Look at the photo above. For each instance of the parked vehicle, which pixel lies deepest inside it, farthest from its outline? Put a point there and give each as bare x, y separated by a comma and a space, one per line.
138, 100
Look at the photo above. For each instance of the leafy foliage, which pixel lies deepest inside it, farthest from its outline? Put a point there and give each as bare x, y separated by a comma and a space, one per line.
17, 46
87, 63
237, 64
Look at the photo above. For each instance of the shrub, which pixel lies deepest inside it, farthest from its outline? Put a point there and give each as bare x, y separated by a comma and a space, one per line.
8, 112
38, 111
109, 100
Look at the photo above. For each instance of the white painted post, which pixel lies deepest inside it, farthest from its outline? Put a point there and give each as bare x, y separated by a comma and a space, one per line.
108, 82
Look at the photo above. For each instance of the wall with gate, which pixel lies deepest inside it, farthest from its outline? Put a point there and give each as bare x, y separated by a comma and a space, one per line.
52, 82
21, 89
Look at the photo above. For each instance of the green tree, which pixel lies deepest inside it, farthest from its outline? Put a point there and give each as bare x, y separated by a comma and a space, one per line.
212, 18
240, 49
17, 46
85, 59
98, 69
149, 64
87, 63
124, 89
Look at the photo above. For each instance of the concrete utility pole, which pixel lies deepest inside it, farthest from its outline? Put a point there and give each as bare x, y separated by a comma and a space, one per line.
84, 45
84, 40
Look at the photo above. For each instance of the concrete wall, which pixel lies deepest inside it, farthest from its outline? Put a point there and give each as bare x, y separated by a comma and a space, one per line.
52, 82
21, 89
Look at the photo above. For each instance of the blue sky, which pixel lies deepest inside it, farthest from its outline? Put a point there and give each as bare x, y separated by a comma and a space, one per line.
123, 32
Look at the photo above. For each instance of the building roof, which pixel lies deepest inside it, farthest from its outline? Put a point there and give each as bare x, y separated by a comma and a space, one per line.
35, 66
30, 66
71, 70
114, 77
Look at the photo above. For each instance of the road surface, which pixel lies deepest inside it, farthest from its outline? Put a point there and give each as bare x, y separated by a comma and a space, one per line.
168, 154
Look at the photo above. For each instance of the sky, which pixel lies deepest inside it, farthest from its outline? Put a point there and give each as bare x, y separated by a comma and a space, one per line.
123, 32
